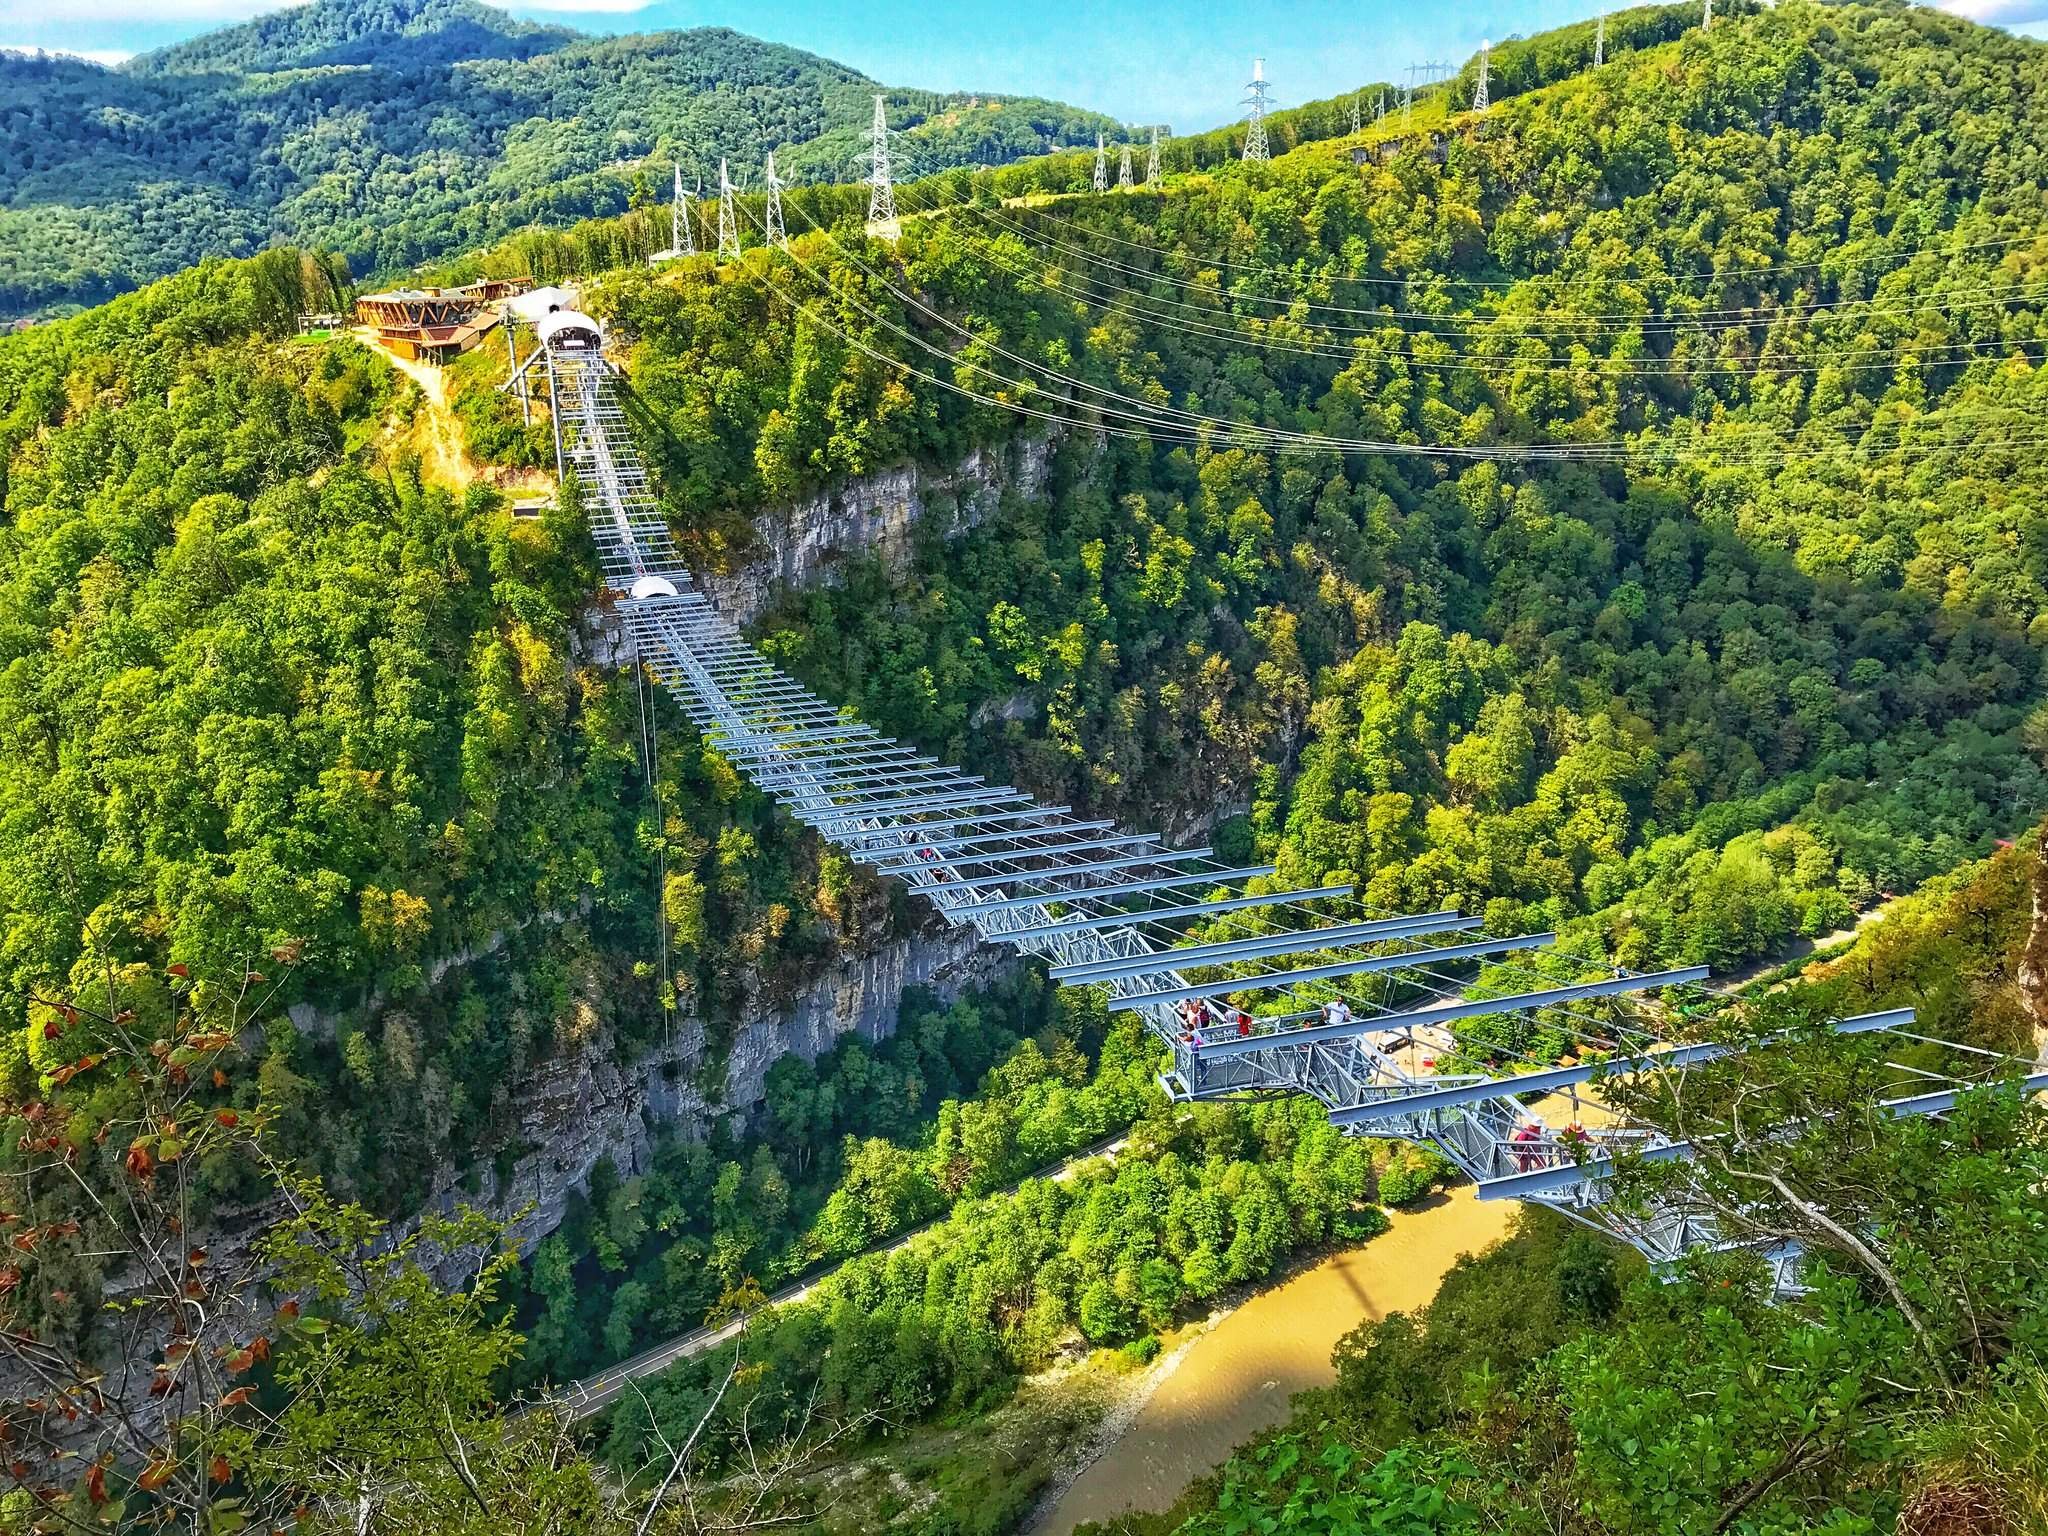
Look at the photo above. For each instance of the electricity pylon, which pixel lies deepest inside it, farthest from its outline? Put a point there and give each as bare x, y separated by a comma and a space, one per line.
728, 221
881, 190
1123, 169
1706, 14
1255, 98
1479, 97
1600, 42
771, 225
1354, 114
1152, 159
1101, 166
1382, 115
682, 239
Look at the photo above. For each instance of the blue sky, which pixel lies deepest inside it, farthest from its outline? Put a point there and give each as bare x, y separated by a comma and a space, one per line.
1141, 60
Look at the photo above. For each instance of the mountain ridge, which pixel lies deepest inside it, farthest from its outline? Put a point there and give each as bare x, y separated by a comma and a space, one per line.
329, 32
404, 131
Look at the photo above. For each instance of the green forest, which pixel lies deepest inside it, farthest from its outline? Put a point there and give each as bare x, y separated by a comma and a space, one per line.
335, 124
1759, 658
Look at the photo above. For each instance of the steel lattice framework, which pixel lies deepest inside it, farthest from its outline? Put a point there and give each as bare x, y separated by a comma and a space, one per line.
1354, 1007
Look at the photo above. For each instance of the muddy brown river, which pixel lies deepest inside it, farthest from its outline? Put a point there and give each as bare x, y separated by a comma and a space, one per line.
1235, 1380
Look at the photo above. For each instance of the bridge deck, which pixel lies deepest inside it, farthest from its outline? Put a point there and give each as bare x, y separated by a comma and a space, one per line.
1364, 1026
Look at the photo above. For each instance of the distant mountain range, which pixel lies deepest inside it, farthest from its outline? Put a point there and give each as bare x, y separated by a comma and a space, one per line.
400, 131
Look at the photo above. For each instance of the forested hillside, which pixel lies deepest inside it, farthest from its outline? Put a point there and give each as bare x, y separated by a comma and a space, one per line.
1760, 661
1758, 644
397, 131
1767, 661
259, 684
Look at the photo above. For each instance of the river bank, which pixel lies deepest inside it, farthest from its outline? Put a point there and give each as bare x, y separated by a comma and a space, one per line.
1224, 1380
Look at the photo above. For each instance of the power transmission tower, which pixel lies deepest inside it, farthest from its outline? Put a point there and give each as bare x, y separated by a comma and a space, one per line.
1152, 159
1101, 166
1382, 116
1255, 98
728, 221
1706, 14
1479, 97
1123, 169
682, 238
881, 190
1408, 97
1354, 114
771, 225
1600, 42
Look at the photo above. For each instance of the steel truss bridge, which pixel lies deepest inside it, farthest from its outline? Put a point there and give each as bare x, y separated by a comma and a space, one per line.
1309, 993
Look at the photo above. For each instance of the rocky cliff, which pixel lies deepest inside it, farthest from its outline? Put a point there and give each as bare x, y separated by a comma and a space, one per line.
588, 1104
811, 541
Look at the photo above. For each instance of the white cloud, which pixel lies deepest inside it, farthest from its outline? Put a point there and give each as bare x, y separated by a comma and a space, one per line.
106, 56
1999, 13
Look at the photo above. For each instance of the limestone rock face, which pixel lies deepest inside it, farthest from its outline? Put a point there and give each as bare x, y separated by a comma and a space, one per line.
580, 1106
811, 541
585, 1104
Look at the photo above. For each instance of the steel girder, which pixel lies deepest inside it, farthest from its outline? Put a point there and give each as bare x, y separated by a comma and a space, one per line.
799, 749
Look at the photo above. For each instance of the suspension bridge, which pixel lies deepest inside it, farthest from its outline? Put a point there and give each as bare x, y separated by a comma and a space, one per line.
1304, 992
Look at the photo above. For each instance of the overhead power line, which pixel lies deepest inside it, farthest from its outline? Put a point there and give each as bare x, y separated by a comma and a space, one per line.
1574, 321
1709, 275
1129, 416
1215, 324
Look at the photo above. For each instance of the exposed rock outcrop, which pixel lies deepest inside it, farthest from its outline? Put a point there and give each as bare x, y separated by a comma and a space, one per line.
2033, 966
811, 541
588, 1104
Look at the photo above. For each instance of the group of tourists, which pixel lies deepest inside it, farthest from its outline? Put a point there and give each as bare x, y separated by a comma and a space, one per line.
1530, 1153
1203, 1021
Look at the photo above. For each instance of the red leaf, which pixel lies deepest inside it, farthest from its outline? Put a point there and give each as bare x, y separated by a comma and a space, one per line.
96, 1484
155, 1475
10, 1277
180, 970
138, 1161
219, 1470
236, 1398
288, 1312
228, 1119
260, 1347
220, 1078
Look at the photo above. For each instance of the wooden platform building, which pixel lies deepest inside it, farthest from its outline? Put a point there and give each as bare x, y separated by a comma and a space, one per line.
435, 325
